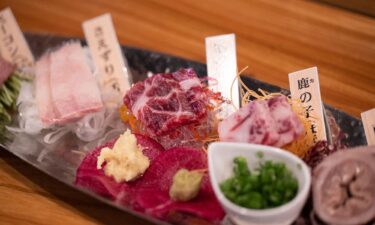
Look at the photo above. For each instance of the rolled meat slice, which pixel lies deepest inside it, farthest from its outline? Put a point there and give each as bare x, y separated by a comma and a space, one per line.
344, 187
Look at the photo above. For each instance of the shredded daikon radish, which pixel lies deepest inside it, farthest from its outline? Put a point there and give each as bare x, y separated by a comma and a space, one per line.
29, 121
56, 135
92, 129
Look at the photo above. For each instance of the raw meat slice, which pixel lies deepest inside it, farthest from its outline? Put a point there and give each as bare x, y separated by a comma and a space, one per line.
88, 176
6, 68
252, 123
46, 108
165, 102
73, 87
151, 193
269, 122
287, 123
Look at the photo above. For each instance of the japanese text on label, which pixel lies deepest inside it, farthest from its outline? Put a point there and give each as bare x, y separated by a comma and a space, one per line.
222, 66
13, 46
304, 85
108, 58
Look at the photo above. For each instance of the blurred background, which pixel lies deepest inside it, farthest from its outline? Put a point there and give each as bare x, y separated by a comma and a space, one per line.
273, 37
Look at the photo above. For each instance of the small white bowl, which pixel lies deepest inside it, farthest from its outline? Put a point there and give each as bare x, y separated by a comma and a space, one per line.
220, 161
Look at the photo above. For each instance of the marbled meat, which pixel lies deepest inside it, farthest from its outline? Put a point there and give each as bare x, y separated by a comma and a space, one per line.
167, 101
269, 122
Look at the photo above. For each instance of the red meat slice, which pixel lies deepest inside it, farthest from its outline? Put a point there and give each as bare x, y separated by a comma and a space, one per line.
151, 193
88, 176
269, 122
168, 101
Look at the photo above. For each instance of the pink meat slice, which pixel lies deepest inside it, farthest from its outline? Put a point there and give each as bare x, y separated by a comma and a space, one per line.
151, 193
6, 68
165, 102
89, 177
46, 108
73, 87
269, 122
288, 126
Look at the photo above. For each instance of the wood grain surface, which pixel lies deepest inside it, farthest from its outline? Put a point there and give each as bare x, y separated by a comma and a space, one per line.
273, 39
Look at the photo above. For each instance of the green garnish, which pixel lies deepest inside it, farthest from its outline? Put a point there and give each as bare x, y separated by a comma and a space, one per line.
260, 154
8, 96
270, 185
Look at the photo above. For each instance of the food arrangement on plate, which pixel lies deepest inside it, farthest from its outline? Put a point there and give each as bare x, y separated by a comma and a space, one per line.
166, 152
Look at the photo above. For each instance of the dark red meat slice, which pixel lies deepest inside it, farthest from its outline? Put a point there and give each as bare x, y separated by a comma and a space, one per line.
90, 177
168, 101
151, 193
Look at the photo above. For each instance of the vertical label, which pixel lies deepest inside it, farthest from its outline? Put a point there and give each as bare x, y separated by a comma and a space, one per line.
106, 53
368, 120
304, 85
222, 66
13, 46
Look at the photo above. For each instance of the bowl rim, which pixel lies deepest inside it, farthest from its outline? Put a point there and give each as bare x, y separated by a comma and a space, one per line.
300, 197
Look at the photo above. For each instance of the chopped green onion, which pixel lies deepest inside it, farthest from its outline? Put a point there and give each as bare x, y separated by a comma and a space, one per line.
270, 185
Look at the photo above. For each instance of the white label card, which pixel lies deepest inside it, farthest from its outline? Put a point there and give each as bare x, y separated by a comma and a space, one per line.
107, 55
368, 120
222, 66
13, 45
304, 85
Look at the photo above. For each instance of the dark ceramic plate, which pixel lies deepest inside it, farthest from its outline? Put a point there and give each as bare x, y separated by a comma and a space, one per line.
62, 165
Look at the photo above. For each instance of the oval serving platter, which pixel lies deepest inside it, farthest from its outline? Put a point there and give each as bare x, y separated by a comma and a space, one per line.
62, 165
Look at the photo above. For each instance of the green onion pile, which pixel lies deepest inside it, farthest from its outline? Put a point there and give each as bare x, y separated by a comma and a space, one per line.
8, 97
270, 185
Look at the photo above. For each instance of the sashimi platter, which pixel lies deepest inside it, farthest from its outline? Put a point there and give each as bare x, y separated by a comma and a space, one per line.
180, 142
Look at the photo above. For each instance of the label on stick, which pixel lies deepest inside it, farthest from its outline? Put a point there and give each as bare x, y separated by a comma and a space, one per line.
107, 55
304, 85
13, 45
222, 66
368, 120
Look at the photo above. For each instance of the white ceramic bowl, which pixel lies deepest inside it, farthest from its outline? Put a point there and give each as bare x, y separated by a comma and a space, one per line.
220, 161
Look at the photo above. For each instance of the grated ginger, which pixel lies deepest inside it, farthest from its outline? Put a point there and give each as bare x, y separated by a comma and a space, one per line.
125, 161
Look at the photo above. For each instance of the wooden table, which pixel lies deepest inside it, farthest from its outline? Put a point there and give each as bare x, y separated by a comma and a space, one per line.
273, 39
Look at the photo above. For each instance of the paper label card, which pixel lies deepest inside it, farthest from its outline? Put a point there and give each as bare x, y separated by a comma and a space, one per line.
107, 55
304, 85
13, 45
222, 66
368, 120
